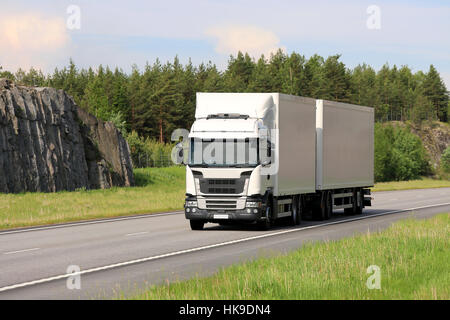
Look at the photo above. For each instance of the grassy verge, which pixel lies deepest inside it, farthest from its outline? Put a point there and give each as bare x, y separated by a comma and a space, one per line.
159, 189
413, 256
424, 183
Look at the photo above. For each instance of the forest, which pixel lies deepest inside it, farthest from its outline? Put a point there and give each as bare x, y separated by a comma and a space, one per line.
148, 104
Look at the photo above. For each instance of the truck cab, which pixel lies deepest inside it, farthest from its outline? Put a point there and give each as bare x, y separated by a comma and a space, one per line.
229, 148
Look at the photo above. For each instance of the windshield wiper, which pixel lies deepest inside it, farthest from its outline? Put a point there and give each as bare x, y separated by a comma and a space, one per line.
212, 165
228, 116
241, 165
198, 165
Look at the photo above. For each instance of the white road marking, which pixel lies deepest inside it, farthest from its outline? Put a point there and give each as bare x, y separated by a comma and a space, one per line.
20, 251
176, 253
70, 224
135, 234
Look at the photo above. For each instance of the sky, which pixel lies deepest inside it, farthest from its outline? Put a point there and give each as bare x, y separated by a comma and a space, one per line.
45, 34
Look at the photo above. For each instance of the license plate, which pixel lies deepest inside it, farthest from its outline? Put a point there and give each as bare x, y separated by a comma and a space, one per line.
220, 216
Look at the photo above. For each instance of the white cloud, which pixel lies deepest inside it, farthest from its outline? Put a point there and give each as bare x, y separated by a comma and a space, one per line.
31, 40
253, 40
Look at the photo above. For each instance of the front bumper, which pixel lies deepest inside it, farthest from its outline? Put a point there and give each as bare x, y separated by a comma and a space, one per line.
219, 215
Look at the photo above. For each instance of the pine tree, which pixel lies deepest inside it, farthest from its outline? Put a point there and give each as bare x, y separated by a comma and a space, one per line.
314, 79
434, 89
145, 122
337, 80
238, 74
260, 79
135, 99
293, 74
275, 68
363, 79
95, 99
383, 108
209, 79
6, 74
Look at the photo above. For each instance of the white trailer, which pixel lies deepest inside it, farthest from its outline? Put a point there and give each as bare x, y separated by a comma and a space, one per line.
257, 157
344, 156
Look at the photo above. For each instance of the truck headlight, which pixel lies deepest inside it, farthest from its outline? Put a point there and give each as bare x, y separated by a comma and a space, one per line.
253, 204
191, 203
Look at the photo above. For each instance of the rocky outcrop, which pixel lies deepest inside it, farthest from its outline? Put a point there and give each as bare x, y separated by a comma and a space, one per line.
49, 144
435, 137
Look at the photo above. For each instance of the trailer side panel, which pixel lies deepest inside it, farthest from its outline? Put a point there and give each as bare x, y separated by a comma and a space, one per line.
296, 150
345, 151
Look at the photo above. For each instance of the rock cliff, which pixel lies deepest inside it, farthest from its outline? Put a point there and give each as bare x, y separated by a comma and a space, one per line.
49, 144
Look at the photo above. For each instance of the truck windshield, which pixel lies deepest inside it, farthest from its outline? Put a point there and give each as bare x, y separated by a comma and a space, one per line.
224, 152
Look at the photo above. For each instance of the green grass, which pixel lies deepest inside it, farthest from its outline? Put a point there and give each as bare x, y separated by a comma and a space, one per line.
413, 255
424, 183
159, 189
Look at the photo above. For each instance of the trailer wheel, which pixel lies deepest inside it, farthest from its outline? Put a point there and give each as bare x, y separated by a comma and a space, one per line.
320, 212
359, 208
197, 224
296, 211
356, 209
329, 205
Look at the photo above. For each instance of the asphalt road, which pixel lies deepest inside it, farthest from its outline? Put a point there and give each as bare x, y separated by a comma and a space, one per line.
121, 256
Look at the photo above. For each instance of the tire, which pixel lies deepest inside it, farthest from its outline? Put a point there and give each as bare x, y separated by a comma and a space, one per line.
320, 209
266, 224
355, 209
359, 209
197, 224
329, 205
296, 211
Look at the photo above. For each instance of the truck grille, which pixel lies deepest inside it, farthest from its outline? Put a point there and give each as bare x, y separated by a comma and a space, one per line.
221, 204
222, 186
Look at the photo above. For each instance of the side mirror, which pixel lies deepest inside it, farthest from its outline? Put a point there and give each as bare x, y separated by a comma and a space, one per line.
266, 153
266, 162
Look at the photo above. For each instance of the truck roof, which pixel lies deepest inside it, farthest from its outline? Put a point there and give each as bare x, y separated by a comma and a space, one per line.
253, 105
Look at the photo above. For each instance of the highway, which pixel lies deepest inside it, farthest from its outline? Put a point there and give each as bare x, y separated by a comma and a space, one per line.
120, 256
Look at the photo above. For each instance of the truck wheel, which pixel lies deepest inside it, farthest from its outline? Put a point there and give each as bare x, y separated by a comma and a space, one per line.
296, 211
266, 223
197, 224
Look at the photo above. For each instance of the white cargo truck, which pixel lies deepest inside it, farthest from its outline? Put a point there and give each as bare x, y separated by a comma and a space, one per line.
258, 157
